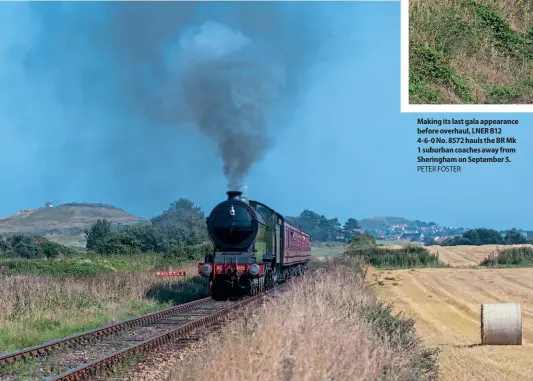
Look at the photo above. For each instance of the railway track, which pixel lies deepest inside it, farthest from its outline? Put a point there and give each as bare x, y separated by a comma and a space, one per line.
179, 331
97, 352
98, 333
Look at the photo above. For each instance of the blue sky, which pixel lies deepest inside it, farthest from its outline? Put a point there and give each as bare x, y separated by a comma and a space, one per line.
90, 111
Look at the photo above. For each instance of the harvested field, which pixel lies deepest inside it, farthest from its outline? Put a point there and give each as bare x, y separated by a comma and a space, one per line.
459, 256
445, 304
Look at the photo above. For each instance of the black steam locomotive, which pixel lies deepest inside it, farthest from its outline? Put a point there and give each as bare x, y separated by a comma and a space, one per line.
254, 248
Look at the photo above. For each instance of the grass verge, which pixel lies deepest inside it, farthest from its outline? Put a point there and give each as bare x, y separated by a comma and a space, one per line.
511, 257
36, 309
326, 251
329, 326
470, 51
89, 264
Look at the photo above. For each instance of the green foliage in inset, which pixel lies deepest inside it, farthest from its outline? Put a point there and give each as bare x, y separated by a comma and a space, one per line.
428, 66
478, 38
506, 39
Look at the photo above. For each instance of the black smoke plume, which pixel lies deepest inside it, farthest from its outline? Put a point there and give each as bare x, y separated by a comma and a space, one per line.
113, 87
228, 88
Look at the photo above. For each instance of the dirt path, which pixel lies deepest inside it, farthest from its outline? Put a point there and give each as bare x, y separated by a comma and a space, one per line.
446, 306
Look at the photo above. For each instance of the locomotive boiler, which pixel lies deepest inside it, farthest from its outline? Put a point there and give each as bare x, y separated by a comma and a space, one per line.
254, 248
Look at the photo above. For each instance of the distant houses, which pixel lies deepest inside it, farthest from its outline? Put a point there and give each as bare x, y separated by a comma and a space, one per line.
425, 232
410, 236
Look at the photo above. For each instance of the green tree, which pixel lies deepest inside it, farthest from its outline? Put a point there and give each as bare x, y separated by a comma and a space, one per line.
483, 236
147, 238
53, 250
4, 244
429, 241
115, 243
96, 233
25, 246
329, 229
350, 229
183, 213
317, 226
514, 237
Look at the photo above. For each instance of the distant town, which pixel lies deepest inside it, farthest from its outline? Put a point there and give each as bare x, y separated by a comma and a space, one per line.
418, 231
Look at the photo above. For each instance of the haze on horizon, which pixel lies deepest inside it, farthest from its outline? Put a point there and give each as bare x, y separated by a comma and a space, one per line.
94, 109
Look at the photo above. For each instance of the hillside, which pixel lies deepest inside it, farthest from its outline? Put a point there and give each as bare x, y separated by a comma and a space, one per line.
470, 51
382, 223
67, 219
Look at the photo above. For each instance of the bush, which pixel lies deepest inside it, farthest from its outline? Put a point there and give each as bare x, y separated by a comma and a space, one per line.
32, 247
53, 250
180, 226
363, 240
513, 256
188, 253
62, 268
407, 256
25, 246
116, 243
96, 233
4, 244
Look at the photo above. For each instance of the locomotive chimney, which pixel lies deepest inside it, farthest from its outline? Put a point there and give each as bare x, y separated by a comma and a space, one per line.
234, 195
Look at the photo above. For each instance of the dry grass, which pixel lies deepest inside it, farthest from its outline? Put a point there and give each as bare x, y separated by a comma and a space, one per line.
487, 63
518, 12
327, 327
35, 309
445, 304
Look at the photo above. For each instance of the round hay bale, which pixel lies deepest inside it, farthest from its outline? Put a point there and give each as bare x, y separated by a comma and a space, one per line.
501, 324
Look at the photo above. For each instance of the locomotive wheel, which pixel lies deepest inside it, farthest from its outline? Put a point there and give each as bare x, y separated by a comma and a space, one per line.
254, 287
262, 284
269, 280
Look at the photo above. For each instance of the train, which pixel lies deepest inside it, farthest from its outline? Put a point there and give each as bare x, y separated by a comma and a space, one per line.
255, 248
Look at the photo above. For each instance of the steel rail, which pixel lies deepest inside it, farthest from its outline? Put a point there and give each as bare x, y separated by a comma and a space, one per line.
106, 363
85, 337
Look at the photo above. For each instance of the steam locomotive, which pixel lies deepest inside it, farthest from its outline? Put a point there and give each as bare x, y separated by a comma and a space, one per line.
254, 248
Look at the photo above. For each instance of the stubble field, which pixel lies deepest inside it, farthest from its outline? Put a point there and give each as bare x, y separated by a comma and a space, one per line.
459, 256
446, 302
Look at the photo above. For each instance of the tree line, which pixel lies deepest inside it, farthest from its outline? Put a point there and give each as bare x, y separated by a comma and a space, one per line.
483, 236
182, 226
322, 229
178, 232
32, 247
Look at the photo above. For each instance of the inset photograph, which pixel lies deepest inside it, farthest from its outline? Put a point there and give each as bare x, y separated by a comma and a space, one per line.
471, 52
